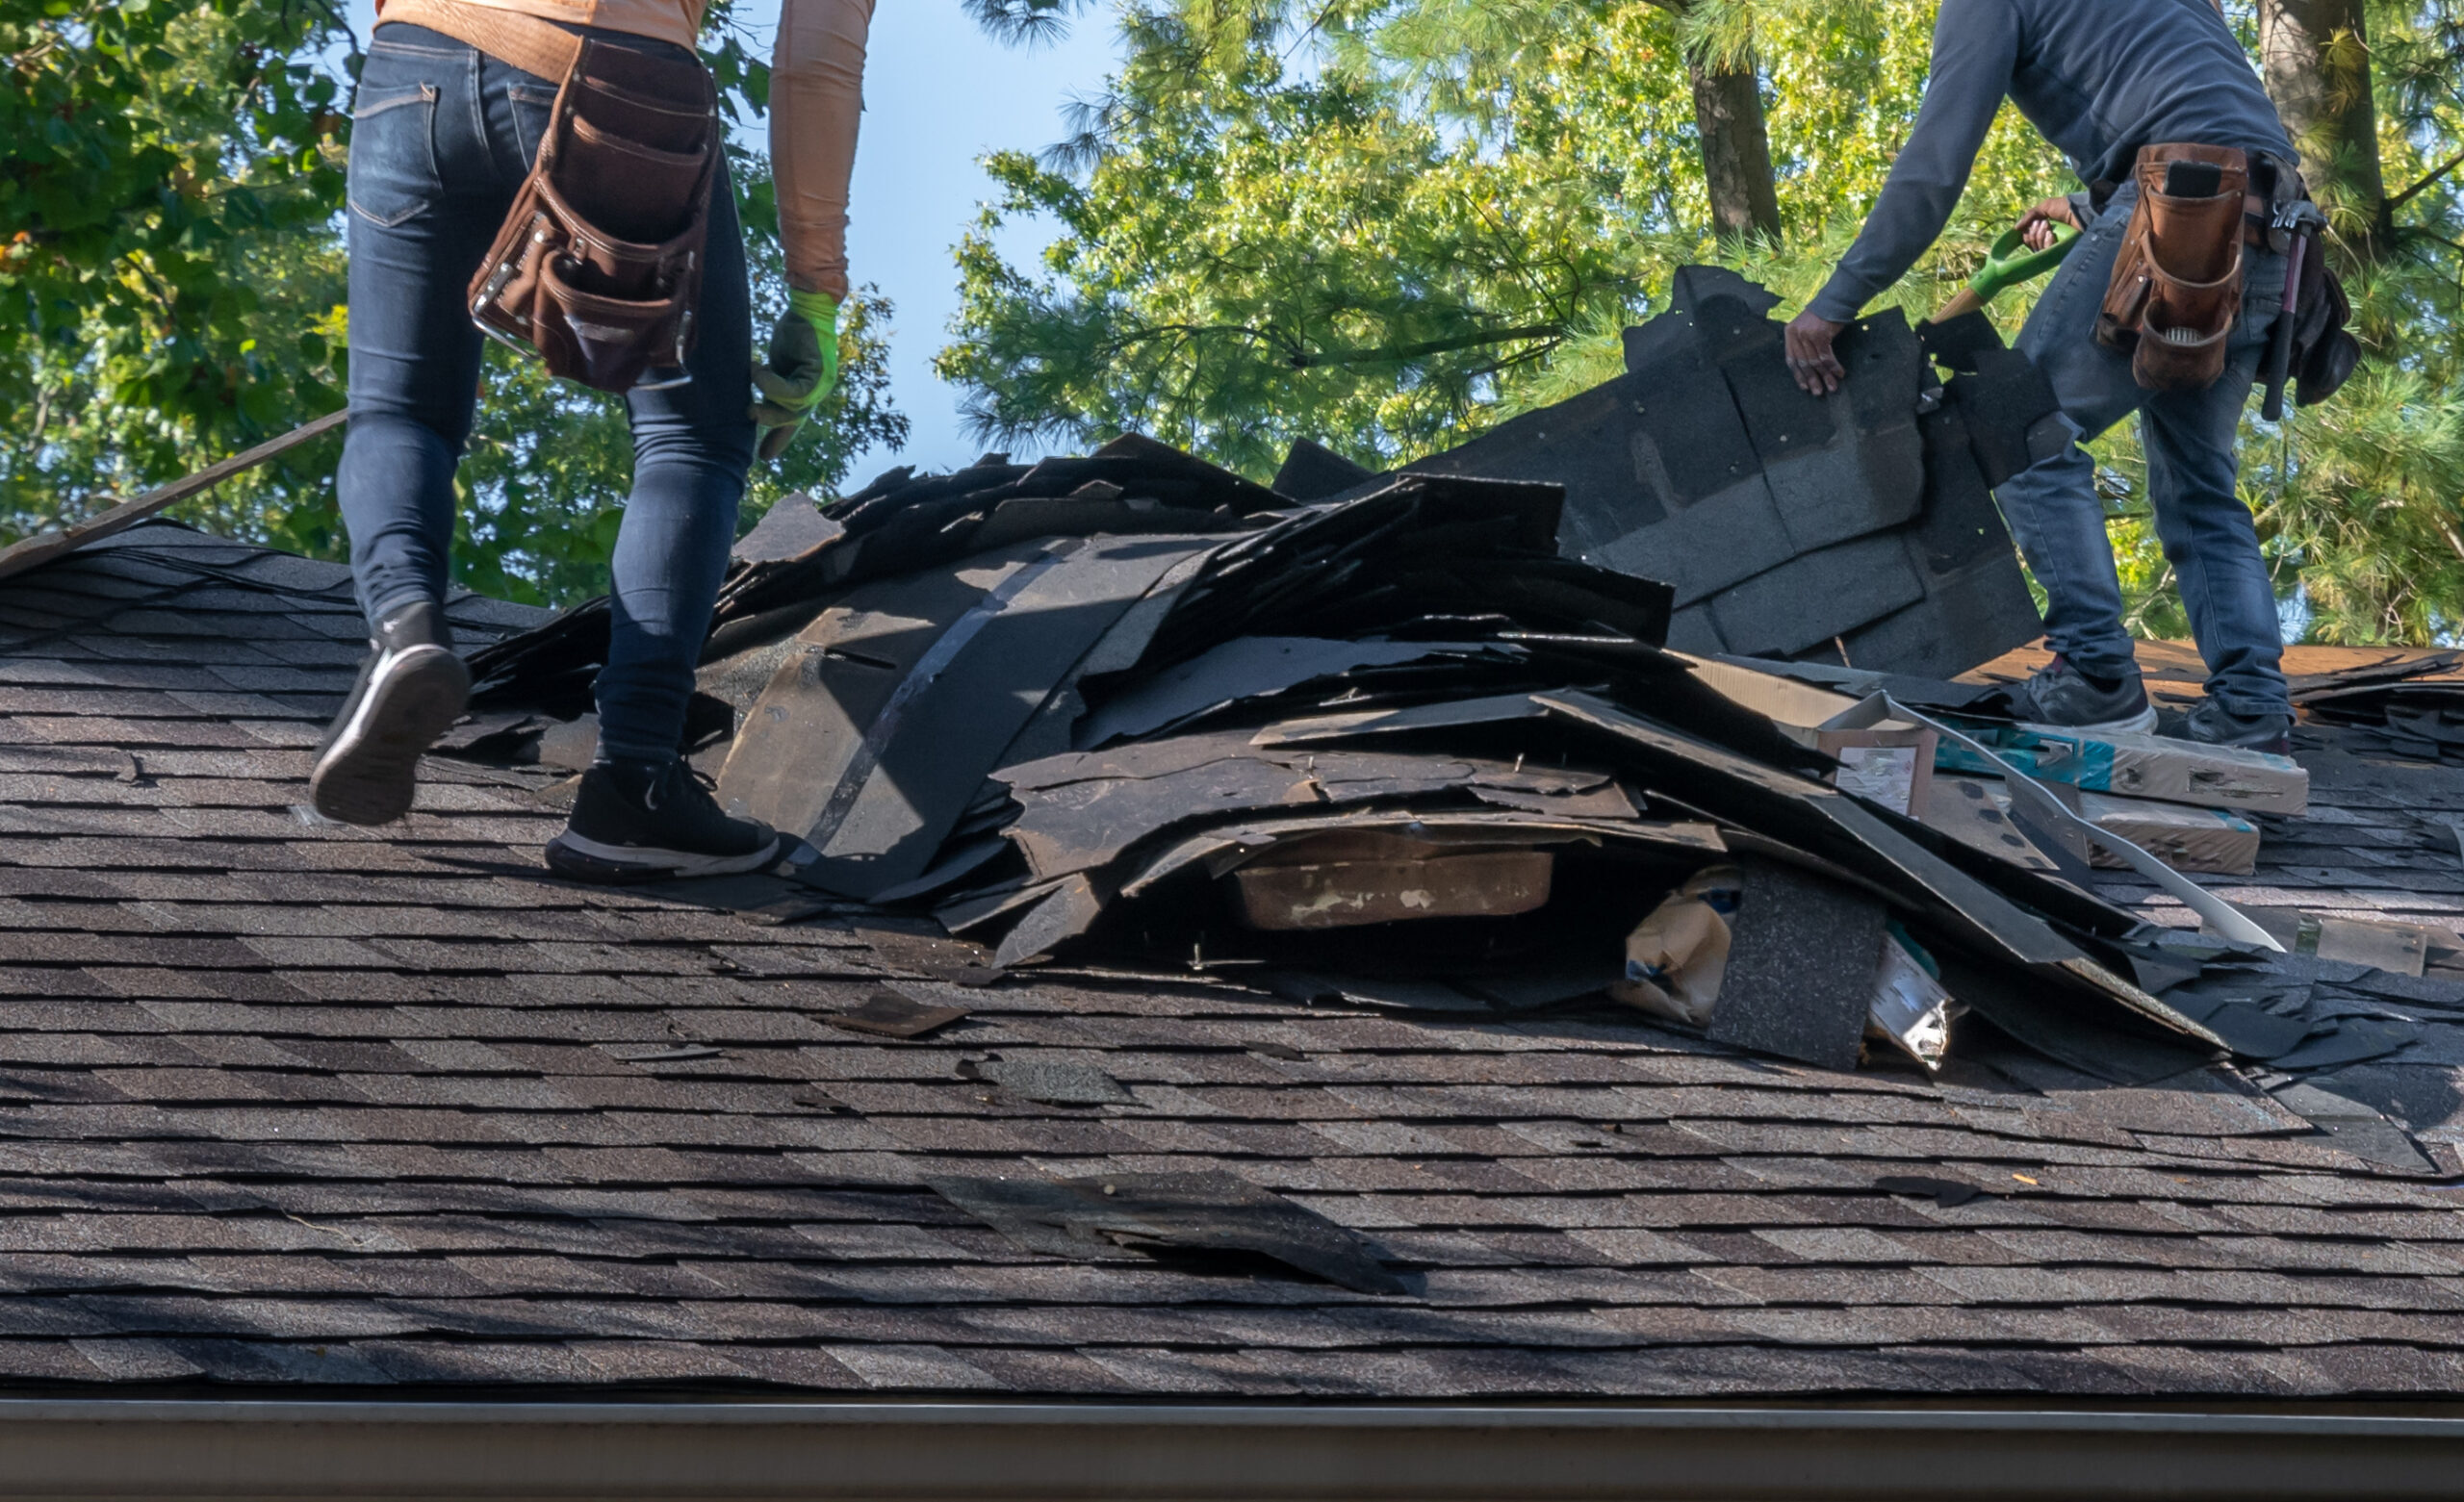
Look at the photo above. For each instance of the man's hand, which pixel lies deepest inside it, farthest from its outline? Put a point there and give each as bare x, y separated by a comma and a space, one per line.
2035, 226
1810, 355
802, 369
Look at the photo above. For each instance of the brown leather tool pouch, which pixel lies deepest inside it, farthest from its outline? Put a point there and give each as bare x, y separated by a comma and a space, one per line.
598, 268
2176, 286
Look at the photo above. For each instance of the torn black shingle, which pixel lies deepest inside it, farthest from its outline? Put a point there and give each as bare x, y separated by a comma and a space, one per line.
1860, 523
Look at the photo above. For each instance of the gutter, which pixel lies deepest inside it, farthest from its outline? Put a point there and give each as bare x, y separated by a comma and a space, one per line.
923, 1452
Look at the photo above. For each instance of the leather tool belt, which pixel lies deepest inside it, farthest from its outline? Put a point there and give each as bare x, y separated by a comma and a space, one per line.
598, 266
2176, 286
2312, 346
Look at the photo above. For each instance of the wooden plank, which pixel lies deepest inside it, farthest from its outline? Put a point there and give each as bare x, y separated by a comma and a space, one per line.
44, 546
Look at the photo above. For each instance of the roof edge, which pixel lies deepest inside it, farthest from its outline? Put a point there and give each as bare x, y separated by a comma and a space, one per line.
223, 1449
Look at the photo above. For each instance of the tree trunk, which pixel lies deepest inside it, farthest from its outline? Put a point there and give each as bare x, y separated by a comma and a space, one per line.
1736, 151
2316, 58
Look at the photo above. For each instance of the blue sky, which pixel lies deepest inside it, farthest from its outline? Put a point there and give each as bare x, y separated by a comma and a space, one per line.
938, 94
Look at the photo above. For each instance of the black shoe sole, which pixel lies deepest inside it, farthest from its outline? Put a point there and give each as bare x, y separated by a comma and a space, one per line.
371, 772
569, 854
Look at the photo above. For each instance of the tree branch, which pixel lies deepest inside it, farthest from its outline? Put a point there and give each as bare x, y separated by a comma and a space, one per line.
1431, 346
2445, 168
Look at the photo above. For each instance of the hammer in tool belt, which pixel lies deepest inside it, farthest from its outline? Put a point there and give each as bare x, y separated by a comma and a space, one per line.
2298, 222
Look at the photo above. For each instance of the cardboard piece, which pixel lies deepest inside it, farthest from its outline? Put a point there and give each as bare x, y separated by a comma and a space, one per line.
1790, 702
1344, 880
1676, 958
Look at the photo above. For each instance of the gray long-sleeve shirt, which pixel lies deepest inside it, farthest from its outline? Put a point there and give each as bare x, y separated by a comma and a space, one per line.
2099, 78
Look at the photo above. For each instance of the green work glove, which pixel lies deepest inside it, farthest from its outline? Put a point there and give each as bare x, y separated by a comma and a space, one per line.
803, 367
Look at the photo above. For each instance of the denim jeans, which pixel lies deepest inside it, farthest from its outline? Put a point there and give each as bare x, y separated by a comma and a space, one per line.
441, 135
2188, 435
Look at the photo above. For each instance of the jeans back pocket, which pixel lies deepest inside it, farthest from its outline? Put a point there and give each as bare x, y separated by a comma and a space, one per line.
393, 153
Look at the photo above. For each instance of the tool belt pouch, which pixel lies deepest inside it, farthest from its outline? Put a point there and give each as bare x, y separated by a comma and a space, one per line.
2176, 286
598, 268
2325, 352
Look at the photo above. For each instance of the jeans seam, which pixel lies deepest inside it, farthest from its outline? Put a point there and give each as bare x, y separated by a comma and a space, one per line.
478, 106
523, 146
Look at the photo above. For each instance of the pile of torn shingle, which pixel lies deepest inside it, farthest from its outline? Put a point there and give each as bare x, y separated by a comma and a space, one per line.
1391, 747
2414, 704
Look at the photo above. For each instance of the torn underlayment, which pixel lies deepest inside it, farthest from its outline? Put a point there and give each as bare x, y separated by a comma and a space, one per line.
1397, 746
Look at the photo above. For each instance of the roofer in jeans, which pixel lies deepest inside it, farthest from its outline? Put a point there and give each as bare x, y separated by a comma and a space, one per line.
445, 131
2102, 79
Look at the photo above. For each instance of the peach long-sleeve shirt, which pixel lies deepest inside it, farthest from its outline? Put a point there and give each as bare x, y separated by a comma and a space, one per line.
816, 94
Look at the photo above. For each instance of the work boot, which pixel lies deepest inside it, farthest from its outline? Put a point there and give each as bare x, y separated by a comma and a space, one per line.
641, 821
410, 689
2059, 694
2211, 724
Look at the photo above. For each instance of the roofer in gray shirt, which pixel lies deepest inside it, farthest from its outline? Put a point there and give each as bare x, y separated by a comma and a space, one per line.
2103, 79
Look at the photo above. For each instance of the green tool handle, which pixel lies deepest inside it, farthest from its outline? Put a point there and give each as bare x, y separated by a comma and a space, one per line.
2007, 265
2010, 261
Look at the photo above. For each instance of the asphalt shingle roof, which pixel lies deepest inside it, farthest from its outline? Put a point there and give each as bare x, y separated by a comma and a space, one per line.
287, 1103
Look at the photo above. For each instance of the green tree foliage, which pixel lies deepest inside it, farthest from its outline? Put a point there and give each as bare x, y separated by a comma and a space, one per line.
171, 259
1387, 224
151, 156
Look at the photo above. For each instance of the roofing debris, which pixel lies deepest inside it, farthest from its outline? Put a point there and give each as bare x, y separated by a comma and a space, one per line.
1393, 746
2414, 703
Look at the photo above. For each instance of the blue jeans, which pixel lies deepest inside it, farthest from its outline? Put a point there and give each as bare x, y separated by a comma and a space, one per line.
441, 135
2188, 434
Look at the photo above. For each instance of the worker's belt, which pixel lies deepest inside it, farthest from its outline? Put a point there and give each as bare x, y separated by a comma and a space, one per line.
598, 268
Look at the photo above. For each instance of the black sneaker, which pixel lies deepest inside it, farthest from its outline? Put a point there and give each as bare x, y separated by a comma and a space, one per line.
640, 822
410, 690
2211, 724
2059, 694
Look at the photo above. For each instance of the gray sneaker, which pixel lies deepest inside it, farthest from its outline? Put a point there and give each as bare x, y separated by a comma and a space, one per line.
2059, 694
2211, 724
